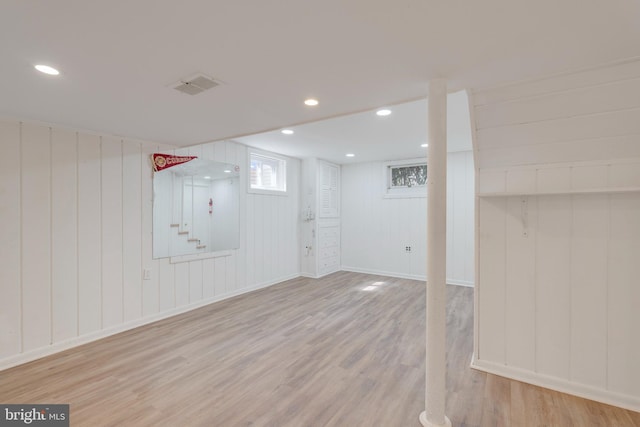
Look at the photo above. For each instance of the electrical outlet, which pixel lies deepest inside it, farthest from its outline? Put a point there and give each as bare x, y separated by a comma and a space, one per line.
146, 274
407, 248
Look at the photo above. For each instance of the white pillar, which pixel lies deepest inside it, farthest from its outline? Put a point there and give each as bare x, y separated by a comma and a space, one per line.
436, 257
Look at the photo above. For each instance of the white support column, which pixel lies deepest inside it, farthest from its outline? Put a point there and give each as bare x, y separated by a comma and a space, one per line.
434, 416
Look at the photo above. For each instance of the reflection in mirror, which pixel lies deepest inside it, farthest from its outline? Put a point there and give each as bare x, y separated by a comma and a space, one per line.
195, 208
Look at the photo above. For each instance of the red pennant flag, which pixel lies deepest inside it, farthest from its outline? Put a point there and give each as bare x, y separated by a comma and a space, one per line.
164, 161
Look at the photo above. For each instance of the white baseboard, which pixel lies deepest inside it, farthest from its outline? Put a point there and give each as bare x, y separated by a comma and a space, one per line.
456, 282
318, 276
383, 273
564, 386
404, 276
39, 353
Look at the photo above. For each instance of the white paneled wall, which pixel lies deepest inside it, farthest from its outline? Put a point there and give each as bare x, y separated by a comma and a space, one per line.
559, 294
64, 220
35, 209
76, 233
559, 232
11, 243
582, 116
376, 230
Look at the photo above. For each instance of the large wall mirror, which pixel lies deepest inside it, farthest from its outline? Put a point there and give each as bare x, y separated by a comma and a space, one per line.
195, 206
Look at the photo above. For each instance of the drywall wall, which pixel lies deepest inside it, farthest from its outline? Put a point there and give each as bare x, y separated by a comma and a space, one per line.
76, 235
376, 230
558, 237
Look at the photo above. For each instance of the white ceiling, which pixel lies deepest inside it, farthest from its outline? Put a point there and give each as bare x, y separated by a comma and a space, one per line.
368, 136
117, 58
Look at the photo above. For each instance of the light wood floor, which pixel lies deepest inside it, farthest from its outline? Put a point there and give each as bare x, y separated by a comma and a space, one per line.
302, 353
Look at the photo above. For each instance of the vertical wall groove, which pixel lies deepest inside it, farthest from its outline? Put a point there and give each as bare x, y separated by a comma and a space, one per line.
101, 239
505, 292
51, 319
571, 302
21, 248
142, 230
535, 291
122, 235
77, 231
607, 267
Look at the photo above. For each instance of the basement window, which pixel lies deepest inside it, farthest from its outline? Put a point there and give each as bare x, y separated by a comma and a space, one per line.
267, 173
405, 178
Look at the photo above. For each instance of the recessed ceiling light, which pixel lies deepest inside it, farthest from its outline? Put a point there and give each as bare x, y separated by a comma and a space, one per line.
207, 177
227, 171
350, 155
287, 131
311, 102
47, 70
424, 145
383, 112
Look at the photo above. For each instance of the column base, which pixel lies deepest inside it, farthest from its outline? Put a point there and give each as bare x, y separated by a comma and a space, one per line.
425, 423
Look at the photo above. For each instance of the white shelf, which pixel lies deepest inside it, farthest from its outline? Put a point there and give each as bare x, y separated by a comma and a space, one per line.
561, 193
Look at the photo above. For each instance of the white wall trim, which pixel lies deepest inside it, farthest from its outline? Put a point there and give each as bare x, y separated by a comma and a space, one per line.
558, 384
626, 160
524, 179
384, 273
39, 353
619, 190
404, 276
318, 276
465, 283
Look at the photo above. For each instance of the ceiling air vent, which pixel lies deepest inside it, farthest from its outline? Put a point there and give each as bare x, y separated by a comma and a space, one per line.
195, 84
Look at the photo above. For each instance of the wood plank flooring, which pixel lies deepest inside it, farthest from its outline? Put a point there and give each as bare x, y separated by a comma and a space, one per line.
345, 350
